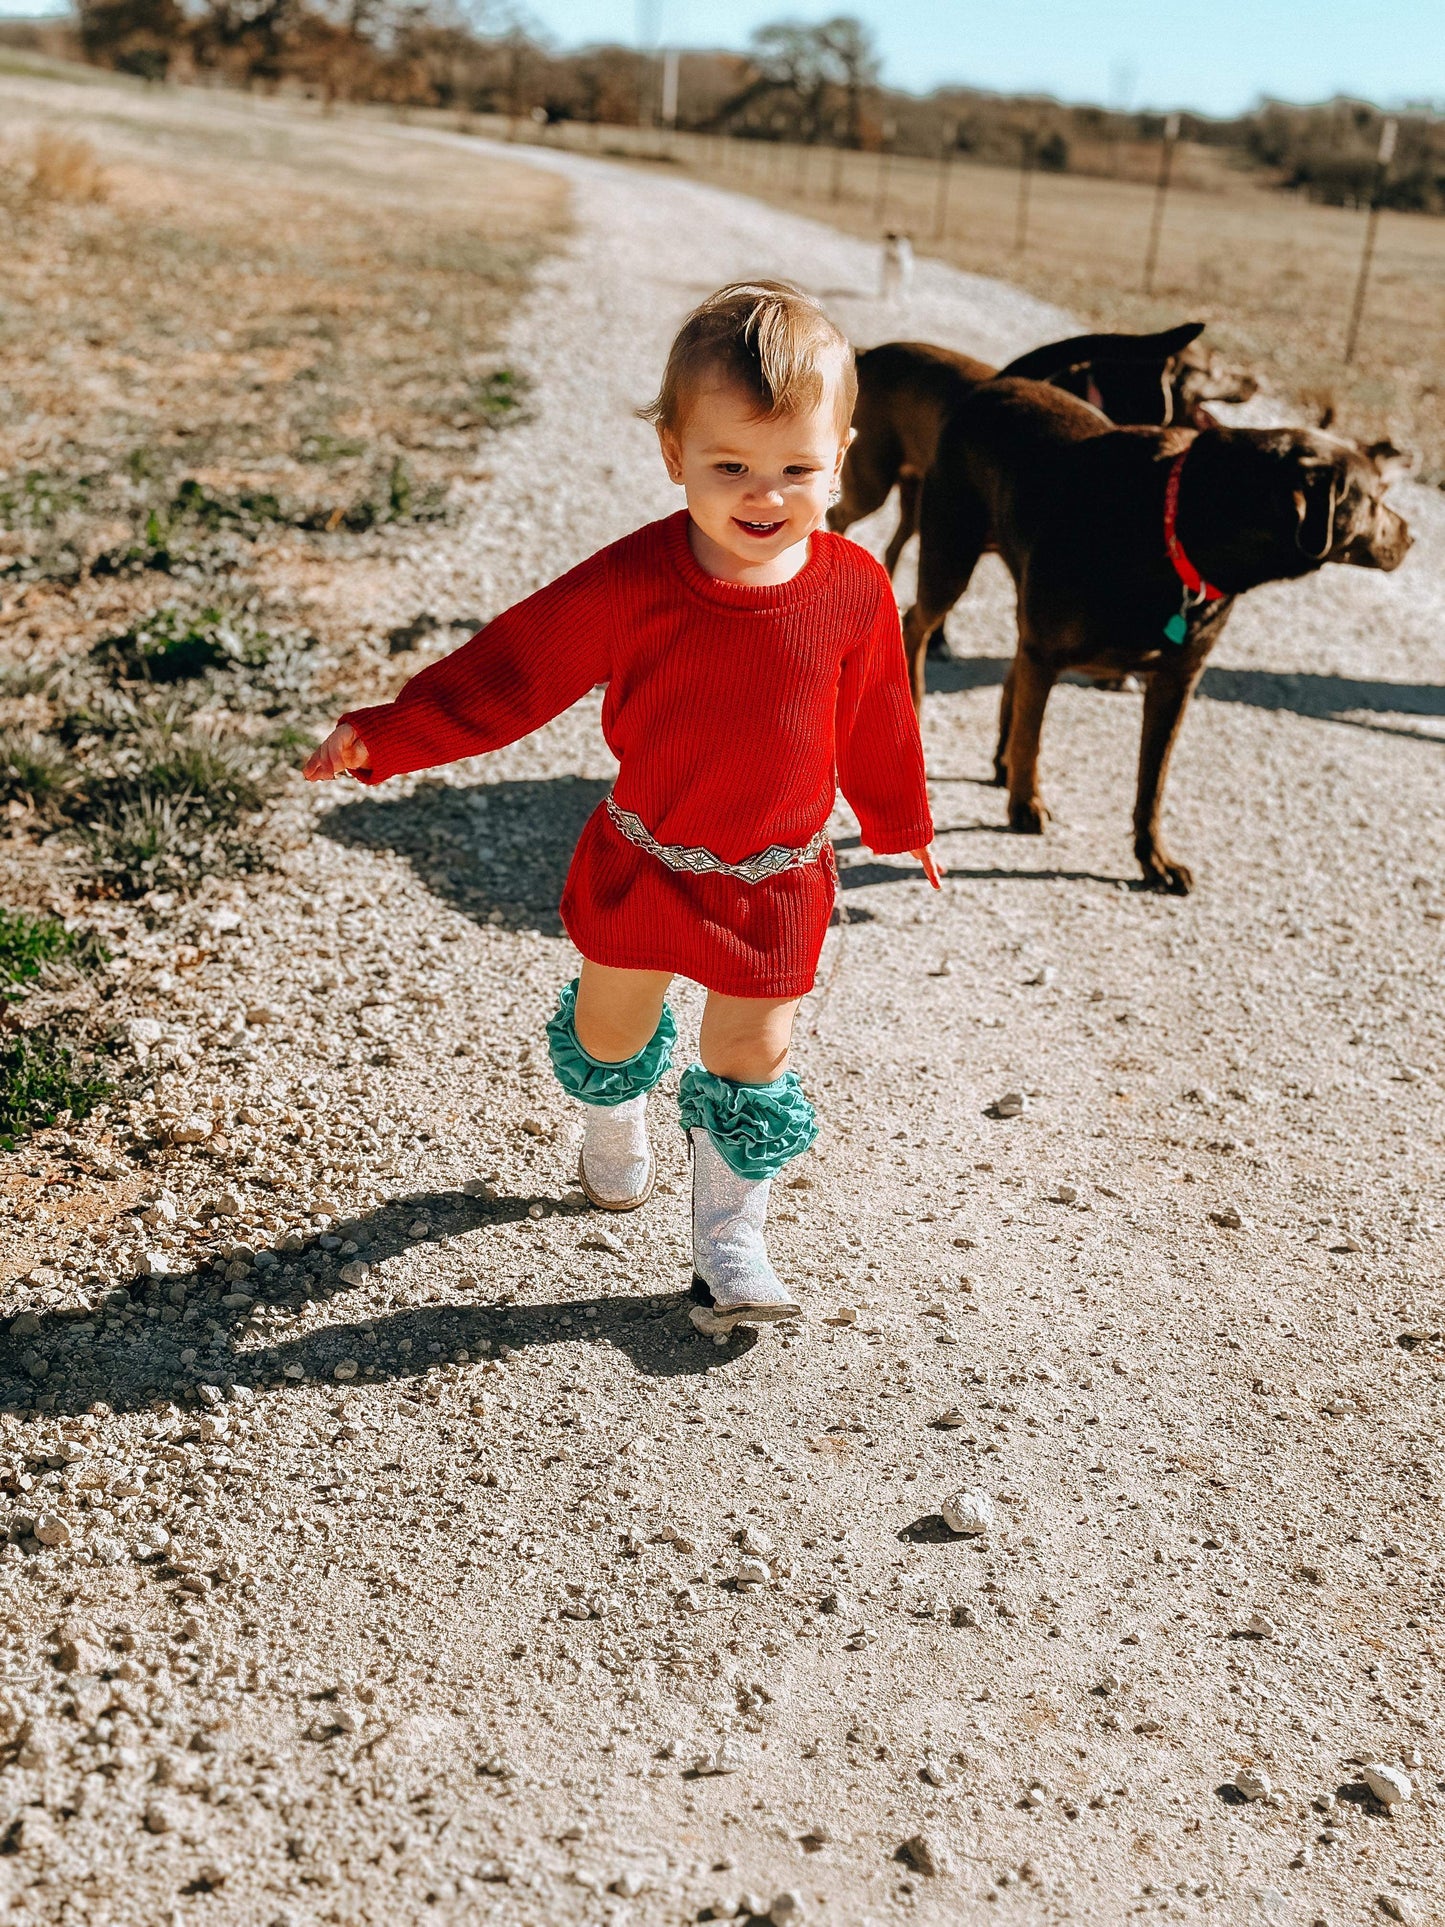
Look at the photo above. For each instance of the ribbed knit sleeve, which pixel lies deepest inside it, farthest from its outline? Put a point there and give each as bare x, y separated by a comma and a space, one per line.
879, 751
527, 666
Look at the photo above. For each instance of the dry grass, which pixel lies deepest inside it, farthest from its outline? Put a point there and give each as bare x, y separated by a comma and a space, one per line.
270, 351
66, 169
1272, 274
272, 328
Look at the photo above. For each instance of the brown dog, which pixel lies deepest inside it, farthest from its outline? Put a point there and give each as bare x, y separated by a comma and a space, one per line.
907, 389
1132, 391
1104, 531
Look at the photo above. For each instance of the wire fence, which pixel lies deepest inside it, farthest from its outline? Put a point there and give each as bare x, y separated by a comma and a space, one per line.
1271, 273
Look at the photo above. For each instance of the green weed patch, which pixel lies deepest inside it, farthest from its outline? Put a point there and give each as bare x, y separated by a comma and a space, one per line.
43, 1079
28, 944
37, 499
501, 401
174, 644
36, 771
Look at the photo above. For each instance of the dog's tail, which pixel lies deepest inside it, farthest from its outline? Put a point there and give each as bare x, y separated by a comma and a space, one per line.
1042, 364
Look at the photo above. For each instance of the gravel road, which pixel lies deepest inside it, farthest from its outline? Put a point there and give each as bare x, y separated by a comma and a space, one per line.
395, 1577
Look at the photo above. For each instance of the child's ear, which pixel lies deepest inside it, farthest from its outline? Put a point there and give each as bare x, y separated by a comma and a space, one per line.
671, 453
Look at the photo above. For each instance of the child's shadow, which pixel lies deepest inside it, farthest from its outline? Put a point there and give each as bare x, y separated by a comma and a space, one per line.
396, 1344
497, 851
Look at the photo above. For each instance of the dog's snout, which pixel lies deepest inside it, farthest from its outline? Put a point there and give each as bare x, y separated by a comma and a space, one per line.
1383, 546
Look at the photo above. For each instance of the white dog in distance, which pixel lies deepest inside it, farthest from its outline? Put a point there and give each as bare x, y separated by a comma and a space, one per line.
897, 266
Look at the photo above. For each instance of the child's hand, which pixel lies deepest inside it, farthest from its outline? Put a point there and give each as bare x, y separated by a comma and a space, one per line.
343, 750
932, 868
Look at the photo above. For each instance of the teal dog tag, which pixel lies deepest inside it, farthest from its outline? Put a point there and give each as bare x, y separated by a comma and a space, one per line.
1176, 628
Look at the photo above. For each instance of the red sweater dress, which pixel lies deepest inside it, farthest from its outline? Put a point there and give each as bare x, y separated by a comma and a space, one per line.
735, 715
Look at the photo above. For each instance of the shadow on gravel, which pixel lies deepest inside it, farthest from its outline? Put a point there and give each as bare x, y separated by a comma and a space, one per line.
934, 1530
498, 852
1330, 699
130, 1368
861, 876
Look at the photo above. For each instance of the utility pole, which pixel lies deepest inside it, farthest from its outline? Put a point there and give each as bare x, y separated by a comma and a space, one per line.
1161, 195
514, 82
948, 136
1388, 132
1029, 141
885, 168
670, 64
648, 20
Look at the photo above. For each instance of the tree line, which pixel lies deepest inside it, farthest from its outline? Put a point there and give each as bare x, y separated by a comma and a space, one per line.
810, 83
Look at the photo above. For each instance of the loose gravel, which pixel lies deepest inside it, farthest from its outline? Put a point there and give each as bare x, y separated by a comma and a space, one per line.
385, 1545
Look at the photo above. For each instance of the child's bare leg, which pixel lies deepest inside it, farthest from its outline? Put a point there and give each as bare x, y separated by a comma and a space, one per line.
611, 1040
746, 1039
618, 1010
746, 1116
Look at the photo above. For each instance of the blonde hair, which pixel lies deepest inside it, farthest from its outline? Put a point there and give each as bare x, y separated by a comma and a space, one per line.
768, 338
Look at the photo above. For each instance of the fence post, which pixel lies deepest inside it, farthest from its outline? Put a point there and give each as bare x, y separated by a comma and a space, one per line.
948, 134
1029, 141
885, 169
1386, 154
835, 186
1161, 194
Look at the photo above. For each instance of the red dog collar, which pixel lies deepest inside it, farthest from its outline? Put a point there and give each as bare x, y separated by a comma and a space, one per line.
1199, 589
1196, 589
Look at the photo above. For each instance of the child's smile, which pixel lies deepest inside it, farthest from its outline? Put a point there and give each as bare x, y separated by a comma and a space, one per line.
756, 488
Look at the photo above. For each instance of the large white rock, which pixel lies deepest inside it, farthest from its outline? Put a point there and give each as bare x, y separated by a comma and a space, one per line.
970, 1512
1389, 1784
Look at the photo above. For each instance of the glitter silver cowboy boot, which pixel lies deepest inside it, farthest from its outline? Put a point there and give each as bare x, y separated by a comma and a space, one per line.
729, 1257
616, 1168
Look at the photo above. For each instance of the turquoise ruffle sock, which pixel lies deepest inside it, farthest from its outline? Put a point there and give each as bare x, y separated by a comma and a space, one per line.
757, 1128
589, 1078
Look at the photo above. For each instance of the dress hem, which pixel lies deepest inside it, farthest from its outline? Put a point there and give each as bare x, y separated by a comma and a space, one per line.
741, 987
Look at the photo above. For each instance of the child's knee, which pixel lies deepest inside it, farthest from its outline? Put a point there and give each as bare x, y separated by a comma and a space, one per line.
606, 1081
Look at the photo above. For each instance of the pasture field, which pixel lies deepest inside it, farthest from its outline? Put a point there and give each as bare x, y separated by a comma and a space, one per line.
1272, 274
245, 361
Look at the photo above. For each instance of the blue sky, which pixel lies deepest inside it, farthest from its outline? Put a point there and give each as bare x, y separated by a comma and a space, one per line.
1217, 55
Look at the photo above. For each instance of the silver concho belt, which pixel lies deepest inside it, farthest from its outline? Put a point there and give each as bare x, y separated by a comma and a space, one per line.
699, 862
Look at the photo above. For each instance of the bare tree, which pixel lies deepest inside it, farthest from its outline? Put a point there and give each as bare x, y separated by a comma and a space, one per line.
854, 64
134, 36
248, 40
806, 74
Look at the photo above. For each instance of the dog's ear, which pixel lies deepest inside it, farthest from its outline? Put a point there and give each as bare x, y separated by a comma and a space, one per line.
1174, 341
1391, 463
1321, 482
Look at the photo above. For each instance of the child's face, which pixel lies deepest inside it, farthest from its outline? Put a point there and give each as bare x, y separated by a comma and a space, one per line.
756, 488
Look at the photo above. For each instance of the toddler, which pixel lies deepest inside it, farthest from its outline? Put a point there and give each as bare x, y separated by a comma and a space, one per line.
754, 665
